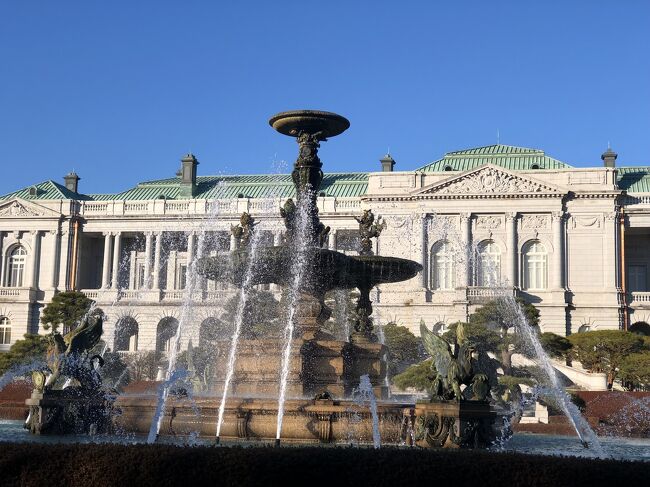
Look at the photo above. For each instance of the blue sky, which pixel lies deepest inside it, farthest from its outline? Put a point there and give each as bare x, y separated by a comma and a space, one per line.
120, 90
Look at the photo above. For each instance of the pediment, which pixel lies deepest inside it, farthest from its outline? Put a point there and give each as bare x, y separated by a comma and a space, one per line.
489, 181
19, 208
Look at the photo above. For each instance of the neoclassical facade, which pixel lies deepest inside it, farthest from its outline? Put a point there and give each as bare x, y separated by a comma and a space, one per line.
483, 222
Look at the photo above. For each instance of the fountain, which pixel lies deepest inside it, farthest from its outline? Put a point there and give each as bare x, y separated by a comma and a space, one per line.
301, 387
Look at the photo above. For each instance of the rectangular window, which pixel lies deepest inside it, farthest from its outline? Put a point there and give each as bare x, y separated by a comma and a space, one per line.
181, 278
637, 278
348, 241
139, 277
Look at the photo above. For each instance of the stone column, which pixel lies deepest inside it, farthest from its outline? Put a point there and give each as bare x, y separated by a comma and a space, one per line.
190, 248
156, 262
277, 238
611, 251
147, 260
54, 258
233, 243
36, 250
511, 238
3, 264
466, 241
106, 267
424, 251
331, 240
117, 250
558, 250
64, 260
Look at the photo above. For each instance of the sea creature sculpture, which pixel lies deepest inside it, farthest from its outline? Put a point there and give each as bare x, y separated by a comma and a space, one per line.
453, 369
66, 354
368, 229
244, 231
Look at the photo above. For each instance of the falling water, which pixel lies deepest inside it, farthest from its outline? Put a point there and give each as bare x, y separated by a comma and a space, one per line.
19, 371
562, 399
298, 269
367, 395
239, 318
185, 317
341, 311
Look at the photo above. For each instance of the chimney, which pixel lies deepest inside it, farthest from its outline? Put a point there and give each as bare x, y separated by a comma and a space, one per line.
387, 163
609, 157
71, 181
188, 176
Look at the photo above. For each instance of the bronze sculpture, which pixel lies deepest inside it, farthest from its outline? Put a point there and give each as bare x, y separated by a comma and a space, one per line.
453, 369
368, 229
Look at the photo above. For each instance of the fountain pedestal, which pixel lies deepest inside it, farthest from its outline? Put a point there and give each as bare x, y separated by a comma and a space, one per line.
456, 424
316, 366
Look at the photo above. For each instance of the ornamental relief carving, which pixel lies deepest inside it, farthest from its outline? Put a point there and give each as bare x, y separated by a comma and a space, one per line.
534, 222
492, 181
487, 223
586, 221
16, 209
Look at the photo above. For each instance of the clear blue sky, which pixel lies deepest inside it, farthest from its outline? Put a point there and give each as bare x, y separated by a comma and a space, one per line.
120, 90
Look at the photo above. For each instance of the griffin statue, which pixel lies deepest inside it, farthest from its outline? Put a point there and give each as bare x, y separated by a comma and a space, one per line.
65, 356
453, 369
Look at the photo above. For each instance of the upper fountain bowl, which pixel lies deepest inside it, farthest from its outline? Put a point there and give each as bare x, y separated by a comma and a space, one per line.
310, 121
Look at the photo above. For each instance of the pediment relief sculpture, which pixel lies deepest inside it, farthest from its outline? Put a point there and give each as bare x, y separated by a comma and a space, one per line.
489, 180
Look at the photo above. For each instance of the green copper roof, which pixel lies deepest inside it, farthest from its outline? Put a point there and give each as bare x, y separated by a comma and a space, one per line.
634, 179
506, 156
340, 185
47, 190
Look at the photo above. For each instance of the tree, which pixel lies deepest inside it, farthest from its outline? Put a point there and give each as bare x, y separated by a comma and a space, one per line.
261, 315
142, 365
500, 316
404, 347
555, 345
485, 338
604, 350
31, 349
66, 309
635, 371
417, 376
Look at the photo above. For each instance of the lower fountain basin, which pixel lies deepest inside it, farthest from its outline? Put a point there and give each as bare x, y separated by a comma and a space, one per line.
328, 269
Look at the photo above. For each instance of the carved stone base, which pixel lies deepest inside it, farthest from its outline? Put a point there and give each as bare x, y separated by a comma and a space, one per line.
68, 411
315, 366
451, 424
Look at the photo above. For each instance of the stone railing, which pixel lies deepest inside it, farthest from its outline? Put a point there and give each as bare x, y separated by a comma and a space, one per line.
113, 296
631, 200
638, 297
485, 294
205, 207
9, 294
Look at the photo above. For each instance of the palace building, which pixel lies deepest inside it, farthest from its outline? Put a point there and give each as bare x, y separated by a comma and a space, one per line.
482, 222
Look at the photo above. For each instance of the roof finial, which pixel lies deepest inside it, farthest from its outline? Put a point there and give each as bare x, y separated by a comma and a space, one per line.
498, 137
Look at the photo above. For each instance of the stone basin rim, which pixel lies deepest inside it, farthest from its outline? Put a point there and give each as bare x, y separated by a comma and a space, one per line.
312, 121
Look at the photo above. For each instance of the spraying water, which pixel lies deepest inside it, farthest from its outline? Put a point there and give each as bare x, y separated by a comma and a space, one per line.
298, 272
366, 395
185, 317
239, 318
341, 311
561, 398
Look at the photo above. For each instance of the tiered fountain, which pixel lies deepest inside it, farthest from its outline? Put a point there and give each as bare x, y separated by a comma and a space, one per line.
301, 388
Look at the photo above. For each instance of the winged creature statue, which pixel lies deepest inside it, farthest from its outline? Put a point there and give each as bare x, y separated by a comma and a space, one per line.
66, 353
453, 368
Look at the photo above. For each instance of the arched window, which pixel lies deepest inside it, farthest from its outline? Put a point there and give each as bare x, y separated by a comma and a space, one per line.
5, 330
535, 265
16, 272
165, 334
489, 264
442, 266
126, 335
